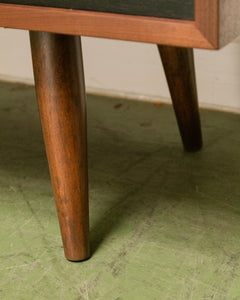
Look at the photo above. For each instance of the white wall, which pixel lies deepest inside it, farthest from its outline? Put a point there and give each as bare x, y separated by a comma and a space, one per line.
133, 70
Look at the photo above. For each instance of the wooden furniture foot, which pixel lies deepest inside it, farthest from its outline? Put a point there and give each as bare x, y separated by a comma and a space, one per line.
60, 89
178, 64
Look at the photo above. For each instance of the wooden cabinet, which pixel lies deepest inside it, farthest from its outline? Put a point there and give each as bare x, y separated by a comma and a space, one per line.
189, 23
59, 78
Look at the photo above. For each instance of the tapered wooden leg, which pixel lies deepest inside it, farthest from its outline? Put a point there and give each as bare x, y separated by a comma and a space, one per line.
178, 64
60, 89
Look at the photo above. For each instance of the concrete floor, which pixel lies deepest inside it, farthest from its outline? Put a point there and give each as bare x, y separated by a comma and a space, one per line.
164, 223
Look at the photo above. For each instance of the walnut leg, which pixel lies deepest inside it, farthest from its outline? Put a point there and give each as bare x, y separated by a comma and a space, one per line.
178, 64
60, 89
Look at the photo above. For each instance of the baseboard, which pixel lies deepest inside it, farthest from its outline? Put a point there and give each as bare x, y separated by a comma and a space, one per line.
156, 99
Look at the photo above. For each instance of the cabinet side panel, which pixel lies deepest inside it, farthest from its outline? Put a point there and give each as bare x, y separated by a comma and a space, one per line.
229, 21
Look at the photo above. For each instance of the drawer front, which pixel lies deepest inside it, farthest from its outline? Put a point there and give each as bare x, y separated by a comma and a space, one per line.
176, 9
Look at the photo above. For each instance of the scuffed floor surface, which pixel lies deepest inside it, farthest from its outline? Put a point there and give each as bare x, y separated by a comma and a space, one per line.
164, 223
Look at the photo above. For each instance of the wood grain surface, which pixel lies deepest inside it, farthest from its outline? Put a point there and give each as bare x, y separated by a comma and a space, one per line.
216, 23
179, 68
192, 34
59, 81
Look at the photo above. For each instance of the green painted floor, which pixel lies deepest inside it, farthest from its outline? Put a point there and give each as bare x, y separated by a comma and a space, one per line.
164, 223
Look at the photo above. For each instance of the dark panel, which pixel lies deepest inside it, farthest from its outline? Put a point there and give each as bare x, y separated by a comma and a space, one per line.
177, 9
